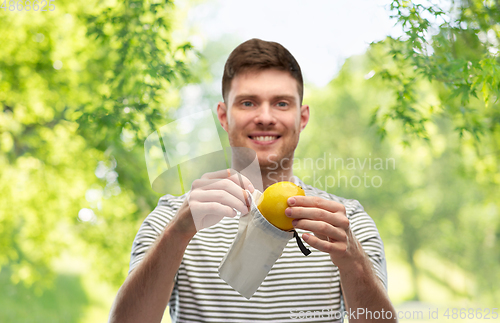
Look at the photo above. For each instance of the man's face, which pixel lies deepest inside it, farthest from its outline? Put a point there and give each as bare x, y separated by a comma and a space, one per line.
263, 113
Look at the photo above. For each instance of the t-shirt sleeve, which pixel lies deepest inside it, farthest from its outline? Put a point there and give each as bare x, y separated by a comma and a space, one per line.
365, 230
152, 227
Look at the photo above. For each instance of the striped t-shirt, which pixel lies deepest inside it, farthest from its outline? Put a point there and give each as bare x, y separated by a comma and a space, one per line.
297, 289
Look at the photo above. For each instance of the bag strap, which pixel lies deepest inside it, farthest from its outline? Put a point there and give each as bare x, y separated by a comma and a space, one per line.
302, 248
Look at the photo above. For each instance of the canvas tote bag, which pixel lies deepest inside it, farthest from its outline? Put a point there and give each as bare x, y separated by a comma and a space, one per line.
255, 249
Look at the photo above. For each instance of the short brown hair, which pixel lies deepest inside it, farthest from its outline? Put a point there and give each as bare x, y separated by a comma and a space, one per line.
260, 54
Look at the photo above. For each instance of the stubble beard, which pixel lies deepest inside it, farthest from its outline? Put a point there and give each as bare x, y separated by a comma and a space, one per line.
281, 160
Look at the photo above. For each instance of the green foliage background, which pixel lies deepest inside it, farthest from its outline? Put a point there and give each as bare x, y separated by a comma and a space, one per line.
71, 137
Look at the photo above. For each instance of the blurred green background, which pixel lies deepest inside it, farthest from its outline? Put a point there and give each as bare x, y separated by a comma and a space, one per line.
82, 86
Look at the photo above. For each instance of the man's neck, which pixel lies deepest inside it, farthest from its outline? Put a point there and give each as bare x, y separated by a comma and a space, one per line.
271, 176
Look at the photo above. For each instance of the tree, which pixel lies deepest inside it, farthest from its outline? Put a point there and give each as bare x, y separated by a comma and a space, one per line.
421, 196
80, 89
454, 47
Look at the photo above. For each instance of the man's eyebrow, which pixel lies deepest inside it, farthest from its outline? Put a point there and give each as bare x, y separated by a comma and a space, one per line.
284, 97
245, 96
253, 97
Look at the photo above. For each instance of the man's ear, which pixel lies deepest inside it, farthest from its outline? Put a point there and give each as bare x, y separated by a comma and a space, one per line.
304, 116
222, 114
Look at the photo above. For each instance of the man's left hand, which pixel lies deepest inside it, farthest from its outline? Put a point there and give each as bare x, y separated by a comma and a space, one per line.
328, 221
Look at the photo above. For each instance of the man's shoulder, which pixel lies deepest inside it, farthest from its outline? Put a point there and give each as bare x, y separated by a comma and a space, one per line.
172, 201
163, 213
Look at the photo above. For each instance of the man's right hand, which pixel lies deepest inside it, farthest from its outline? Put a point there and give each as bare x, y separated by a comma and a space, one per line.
216, 195
146, 291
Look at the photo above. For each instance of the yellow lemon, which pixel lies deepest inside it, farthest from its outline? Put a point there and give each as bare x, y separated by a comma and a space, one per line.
273, 202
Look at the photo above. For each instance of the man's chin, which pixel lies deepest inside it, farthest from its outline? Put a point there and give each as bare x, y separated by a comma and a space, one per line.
269, 162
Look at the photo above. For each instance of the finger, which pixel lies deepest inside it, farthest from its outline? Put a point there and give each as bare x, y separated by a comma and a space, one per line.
241, 180
325, 246
220, 196
322, 229
214, 208
210, 219
207, 214
337, 219
223, 173
233, 175
245, 182
247, 200
317, 202
222, 184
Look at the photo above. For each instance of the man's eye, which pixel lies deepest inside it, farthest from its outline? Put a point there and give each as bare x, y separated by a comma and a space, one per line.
282, 104
247, 104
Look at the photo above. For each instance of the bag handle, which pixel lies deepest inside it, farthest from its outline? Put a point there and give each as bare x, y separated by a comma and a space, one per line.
302, 248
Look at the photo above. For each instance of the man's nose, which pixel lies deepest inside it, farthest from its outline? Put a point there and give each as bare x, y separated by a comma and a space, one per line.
265, 115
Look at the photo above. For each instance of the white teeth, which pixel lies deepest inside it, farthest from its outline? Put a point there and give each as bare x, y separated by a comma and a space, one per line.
265, 138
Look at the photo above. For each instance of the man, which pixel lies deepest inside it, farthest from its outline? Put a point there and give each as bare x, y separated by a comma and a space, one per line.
262, 110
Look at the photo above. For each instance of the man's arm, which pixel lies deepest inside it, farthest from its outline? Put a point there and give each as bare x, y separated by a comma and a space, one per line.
364, 293
361, 287
145, 293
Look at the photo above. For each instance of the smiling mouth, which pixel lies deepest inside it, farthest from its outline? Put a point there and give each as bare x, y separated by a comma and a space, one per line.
264, 138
